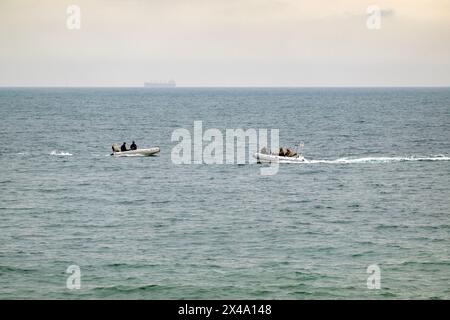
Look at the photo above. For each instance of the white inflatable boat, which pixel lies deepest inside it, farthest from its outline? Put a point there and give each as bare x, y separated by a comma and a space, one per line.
139, 152
271, 158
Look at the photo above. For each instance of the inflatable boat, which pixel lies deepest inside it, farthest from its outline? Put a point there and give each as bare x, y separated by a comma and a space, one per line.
270, 158
139, 152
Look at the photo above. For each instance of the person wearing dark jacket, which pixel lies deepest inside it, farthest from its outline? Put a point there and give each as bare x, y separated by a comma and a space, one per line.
133, 146
123, 147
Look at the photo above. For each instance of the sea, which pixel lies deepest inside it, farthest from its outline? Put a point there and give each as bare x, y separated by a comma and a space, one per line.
366, 216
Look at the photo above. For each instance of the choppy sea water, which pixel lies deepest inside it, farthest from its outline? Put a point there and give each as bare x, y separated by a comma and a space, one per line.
374, 190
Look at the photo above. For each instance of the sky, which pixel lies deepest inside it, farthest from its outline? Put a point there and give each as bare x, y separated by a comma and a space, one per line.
225, 43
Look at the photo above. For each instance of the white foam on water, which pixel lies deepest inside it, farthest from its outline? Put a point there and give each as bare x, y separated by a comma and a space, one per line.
60, 153
379, 160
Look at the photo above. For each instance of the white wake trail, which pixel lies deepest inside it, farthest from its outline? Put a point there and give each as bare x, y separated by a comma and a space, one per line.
60, 154
379, 159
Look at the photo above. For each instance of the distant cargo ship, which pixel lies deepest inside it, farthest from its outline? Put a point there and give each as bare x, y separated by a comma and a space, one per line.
169, 84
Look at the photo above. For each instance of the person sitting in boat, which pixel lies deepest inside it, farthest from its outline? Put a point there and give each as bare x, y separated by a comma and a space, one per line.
264, 150
290, 153
282, 152
133, 146
123, 147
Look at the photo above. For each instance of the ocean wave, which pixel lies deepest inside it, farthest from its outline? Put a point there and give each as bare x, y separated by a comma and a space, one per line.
60, 153
5, 269
127, 289
426, 263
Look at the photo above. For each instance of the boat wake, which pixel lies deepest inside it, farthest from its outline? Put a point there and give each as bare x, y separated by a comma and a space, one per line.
375, 160
60, 153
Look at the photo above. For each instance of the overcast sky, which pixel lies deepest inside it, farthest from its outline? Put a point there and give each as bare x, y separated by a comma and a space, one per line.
225, 43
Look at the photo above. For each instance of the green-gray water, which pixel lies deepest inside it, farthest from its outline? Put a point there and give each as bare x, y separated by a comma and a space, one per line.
375, 190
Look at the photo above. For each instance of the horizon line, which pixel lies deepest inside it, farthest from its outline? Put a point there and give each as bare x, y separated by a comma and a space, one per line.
221, 87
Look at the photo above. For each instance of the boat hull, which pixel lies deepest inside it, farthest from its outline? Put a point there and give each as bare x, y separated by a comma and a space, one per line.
271, 158
139, 152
